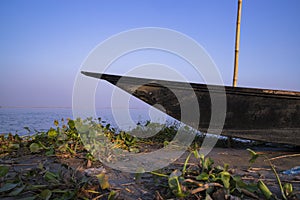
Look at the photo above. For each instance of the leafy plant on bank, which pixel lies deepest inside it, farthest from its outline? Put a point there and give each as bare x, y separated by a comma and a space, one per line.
9, 143
156, 133
201, 181
207, 181
286, 189
67, 138
40, 182
215, 182
64, 139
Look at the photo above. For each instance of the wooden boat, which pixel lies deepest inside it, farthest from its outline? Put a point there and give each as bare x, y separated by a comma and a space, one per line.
254, 114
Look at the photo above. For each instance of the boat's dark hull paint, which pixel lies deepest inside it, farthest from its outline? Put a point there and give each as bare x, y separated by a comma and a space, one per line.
255, 114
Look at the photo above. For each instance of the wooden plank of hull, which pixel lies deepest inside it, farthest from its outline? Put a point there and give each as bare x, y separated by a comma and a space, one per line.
256, 114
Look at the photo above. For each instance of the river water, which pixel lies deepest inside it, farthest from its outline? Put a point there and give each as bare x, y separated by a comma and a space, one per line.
13, 120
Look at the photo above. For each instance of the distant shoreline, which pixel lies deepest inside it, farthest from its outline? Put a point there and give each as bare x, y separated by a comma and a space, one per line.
35, 107
62, 107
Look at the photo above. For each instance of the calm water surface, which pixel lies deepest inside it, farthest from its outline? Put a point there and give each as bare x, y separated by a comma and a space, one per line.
13, 120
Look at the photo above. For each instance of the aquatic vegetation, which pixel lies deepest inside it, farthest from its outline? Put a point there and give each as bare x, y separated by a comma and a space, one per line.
286, 189
47, 176
62, 141
207, 181
9, 143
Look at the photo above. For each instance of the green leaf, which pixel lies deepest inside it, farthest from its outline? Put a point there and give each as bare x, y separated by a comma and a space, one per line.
17, 191
41, 166
212, 177
52, 133
36, 187
138, 174
50, 176
226, 167
56, 123
103, 180
42, 146
174, 183
8, 186
186, 163
71, 124
46, 194
83, 128
202, 177
70, 150
35, 148
207, 164
225, 177
3, 170
159, 174
196, 154
253, 154
264, 189
112, 195
14, 146
252, 187
166, 143
50, 152
239, 183
134, 150
288, 189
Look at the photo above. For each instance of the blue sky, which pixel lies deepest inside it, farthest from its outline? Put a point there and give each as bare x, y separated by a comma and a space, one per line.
43, 43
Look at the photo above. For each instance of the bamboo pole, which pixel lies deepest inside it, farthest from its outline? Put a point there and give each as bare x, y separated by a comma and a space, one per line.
237, 43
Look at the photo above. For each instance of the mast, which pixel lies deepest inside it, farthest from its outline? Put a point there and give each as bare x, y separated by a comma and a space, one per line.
237, 43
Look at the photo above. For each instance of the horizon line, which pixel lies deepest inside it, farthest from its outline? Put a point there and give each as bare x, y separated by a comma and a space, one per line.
67, 107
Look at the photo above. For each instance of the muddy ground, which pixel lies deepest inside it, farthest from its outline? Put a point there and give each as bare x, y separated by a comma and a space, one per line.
238, 160
148, 186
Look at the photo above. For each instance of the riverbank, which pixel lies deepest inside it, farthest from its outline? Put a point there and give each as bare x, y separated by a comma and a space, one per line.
55, 164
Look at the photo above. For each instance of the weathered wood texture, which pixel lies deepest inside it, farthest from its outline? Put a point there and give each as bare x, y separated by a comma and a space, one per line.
256, 114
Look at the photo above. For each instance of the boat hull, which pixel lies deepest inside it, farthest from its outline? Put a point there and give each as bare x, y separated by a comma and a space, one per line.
255, 114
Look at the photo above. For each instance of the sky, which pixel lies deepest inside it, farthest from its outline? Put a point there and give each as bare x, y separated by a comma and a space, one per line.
44, 43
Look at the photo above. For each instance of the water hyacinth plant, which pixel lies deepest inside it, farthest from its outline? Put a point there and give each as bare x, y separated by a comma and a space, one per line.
199, 179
